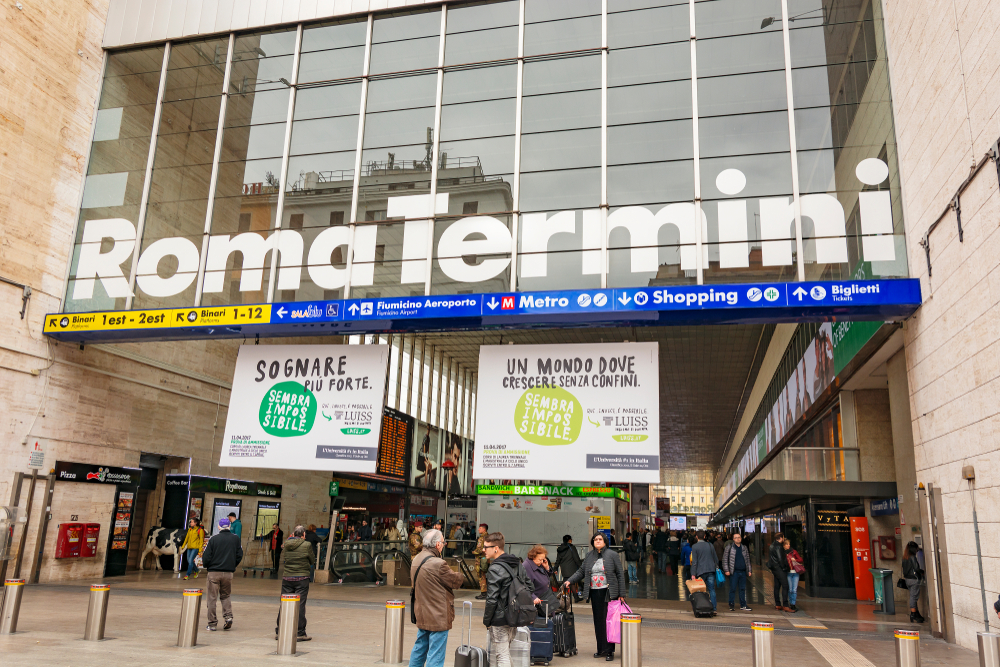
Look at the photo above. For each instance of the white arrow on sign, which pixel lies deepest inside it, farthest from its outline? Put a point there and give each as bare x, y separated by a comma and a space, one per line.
799, 293
353, 308
282, 311
624, 299
493, 303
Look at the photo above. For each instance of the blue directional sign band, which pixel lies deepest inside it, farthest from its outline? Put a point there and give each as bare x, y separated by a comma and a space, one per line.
668, 305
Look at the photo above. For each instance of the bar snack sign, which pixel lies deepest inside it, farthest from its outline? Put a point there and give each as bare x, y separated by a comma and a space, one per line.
570, 412
306, 407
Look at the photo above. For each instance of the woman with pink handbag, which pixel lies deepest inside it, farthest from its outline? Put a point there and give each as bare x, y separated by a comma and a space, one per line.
796, 569
604, 580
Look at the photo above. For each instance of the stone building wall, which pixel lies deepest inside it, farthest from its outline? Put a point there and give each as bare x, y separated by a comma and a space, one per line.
946, 94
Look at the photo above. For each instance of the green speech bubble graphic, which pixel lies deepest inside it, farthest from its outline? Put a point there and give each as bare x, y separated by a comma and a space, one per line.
548, 416
287, 410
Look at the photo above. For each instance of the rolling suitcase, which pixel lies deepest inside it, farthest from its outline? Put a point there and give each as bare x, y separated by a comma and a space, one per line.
467, 655
701, 604
542, 641
564, 629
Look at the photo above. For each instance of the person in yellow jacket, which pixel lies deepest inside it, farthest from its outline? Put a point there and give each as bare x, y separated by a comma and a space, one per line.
194, 544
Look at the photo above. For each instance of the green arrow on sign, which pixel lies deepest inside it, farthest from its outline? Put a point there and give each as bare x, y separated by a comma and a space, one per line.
334, 489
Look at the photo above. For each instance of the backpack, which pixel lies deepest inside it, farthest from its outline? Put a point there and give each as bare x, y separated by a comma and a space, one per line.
520, 607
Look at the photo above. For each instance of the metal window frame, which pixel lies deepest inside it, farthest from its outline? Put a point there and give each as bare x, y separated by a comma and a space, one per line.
793, 148
144, 198
435, 151
696, 149
359, 147
516, 185
214, 178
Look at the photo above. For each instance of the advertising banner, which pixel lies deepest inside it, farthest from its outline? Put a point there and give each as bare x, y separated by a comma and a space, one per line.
306, 407
570, 412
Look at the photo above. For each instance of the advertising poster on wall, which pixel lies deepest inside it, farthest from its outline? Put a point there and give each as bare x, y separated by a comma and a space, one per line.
426, 456
306, 407
470, 453
572, 412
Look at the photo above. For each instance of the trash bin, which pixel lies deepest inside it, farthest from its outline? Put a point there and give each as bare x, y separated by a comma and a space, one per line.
884, 594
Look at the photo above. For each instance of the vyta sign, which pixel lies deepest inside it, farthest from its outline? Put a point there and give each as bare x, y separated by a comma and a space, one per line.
108, 244
306, 407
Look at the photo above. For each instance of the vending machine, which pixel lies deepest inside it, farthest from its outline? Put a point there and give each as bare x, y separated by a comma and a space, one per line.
69, 540
91, 531
864, 585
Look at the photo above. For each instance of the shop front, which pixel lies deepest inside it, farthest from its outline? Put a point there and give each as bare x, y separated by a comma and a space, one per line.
378, 503
208, 499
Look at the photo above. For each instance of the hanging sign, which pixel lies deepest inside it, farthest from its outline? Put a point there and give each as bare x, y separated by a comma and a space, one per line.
574, 412
306, 407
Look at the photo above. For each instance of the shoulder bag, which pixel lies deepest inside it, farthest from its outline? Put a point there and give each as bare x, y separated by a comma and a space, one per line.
413, 592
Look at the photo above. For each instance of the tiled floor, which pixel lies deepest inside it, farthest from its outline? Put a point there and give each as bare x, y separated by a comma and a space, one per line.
347, 624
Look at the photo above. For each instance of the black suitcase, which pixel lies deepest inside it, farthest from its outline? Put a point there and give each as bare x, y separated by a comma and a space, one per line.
701, 604
542, 639
564, 629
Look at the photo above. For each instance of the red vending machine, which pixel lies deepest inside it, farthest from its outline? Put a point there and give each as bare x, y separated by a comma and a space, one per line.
69, 541
91, 531
864, 585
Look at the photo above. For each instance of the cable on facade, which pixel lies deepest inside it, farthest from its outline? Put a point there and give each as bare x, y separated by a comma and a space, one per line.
955, 204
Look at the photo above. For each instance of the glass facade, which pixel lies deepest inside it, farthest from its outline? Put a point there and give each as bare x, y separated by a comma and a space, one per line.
494, 146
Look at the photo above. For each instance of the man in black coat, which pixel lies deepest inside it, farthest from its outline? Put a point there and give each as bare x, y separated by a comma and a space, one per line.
223, 553
274, 542
777, 563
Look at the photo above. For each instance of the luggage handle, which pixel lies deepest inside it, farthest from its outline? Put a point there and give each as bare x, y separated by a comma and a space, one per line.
470, 622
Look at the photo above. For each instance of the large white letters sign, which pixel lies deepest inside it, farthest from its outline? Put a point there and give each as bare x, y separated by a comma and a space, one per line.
306, 407
568, 412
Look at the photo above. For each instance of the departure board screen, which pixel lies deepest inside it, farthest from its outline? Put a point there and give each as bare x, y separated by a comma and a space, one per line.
394, 445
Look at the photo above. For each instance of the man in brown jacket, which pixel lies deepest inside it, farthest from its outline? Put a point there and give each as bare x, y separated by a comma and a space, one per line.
434, 601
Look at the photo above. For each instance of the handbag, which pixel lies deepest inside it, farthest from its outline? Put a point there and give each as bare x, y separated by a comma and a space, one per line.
614, 622
901, 583
719, 577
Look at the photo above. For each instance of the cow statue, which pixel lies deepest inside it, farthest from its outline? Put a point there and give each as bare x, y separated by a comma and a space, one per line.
163, 542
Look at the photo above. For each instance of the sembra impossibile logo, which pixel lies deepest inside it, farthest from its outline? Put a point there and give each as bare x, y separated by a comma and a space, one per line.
288, 409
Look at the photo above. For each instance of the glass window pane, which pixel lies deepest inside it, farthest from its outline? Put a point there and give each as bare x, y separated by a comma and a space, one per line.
649, 26
331, 65
402, 93
257, 108
649, 102
471, 261
650, 142
766, 175
647, 64
557, 270
327, 101
622, 271
478, 119
196, 69
651, 183
481, 46
562, 75
484, 83
719, 18
562, 111
550, 10
562, 36
740, 54
335, 35
742, 93
561, 150
743, 134
405, 42
325, 135
560, 190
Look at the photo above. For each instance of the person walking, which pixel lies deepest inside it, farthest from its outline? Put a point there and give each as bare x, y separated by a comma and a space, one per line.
481, 561
795, 569
365, 534
458, 536
415, 541
300, 557
674, 551
719, 544
686, 557
660, 549
704, 564
222, 554
736, 566
643, 542
568, 559
602, 577
433, 600
235, 525
277, 539
194, 543
913, 574
777, 563
499, 578
632, 557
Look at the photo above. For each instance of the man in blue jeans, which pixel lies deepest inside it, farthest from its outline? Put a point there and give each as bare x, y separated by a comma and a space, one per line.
703, 565
433, 601
736, 565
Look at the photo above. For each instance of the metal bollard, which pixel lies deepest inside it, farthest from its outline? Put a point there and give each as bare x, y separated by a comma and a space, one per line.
907, 648
187, 633
97, 612
631, 649
288, 624
989, 649
762, 644
392, 646
11, 605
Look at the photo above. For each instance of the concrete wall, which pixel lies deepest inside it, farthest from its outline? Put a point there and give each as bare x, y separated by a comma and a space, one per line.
946, 90
102, 404
874, 430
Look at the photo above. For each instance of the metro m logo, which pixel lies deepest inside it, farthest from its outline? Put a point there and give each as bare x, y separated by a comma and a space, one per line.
507, 303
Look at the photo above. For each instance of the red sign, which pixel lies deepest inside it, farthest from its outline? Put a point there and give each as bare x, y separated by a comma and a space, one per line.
864, 585
507, 303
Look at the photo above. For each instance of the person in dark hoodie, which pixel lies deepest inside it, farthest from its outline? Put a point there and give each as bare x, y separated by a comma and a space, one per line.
503, 569
221, 557
568, 559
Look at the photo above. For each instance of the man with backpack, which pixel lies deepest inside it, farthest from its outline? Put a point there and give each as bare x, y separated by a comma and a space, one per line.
510, 598
432, 603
